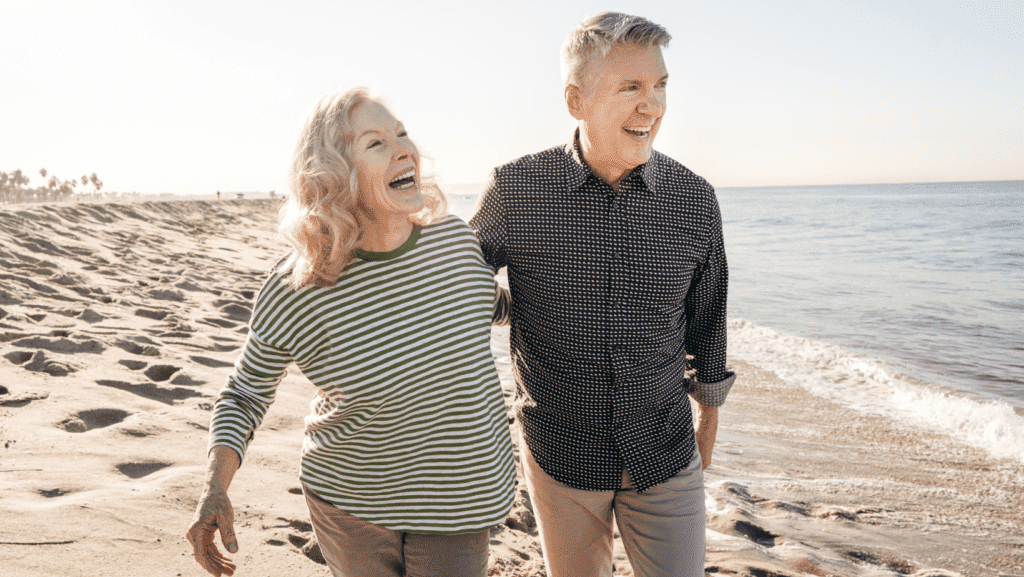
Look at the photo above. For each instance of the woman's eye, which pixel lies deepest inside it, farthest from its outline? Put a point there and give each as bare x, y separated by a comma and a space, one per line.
372, 144
403, 134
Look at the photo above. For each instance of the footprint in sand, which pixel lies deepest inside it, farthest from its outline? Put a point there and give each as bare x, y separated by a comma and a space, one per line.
190, 286
212, 363
7, 399
93, 419
234, 310
41, 363
19, 357
152, 314
61, 344
222, 323
133, 364
52, 493
138, 349
139, 470
167, 295
160, 373
152, 391
175, 335
90, 316
304, 539
185, 379
736, 524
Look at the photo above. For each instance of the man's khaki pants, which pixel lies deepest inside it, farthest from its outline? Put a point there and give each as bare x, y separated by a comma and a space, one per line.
662, 529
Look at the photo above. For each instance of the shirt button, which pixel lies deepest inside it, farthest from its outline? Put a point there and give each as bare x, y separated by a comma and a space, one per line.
616, 305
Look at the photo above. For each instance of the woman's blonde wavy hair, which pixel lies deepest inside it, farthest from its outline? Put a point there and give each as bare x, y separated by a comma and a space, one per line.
323, 215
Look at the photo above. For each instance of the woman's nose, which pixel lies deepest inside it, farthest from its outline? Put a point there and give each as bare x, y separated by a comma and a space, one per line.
402, 149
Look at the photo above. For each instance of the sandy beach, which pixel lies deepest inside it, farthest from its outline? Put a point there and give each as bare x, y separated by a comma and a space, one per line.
120, 322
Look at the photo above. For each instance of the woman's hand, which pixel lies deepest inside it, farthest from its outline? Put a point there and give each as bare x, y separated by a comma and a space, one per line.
214, 513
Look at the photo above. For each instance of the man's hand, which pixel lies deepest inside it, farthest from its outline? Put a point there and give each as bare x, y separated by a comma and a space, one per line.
706, 430
213, 513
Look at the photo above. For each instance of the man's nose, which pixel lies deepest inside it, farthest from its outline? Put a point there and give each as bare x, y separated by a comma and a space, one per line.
651, 105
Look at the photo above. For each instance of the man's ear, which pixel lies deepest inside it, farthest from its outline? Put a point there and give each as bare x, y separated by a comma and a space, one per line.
574, 101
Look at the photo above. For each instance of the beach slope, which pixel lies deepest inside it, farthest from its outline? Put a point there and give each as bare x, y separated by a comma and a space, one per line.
120, 322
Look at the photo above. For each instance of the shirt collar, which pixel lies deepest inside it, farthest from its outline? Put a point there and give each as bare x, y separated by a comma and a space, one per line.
579, 172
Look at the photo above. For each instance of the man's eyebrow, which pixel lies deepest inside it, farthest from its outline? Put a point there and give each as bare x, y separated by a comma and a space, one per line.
639, 81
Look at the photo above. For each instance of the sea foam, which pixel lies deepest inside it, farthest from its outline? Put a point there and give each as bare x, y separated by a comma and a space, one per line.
867, 385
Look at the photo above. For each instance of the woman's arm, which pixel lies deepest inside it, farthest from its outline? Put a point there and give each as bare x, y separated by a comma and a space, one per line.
502, 306
214, 513
239, 410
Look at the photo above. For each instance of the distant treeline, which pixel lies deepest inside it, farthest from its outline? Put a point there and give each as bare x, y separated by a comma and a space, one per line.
14, 187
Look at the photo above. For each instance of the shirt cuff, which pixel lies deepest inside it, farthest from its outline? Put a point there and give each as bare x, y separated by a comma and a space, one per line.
711, 395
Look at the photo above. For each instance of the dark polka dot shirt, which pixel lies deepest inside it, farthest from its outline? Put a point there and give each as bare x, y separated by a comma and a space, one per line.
610, 292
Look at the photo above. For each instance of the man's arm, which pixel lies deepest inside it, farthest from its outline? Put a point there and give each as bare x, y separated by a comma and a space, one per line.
706, 336
489, 223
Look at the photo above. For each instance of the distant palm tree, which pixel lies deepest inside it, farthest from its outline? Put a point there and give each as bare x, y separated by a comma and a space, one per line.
96, 182
17, 178
4, 190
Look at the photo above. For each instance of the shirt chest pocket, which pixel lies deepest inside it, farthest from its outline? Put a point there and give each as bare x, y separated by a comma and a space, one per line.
662, 262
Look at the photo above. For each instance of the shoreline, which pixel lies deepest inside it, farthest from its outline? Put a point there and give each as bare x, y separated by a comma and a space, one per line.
120, 322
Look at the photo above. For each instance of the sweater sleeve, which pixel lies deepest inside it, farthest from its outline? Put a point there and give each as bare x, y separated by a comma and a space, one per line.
249, 392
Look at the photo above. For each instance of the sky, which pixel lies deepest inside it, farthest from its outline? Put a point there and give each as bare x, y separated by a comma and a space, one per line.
193, 97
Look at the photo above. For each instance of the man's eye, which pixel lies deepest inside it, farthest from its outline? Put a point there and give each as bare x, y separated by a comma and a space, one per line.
630, 87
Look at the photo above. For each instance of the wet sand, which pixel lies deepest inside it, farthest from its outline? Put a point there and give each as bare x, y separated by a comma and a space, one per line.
120, 322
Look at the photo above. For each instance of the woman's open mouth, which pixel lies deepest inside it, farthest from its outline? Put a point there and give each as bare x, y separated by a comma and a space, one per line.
404, 180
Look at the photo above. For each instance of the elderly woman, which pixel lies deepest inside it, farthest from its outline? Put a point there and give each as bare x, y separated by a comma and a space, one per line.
385, 305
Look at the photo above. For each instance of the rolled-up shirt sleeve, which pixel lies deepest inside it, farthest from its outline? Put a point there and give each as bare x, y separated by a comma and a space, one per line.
489, 223
249, 392
711, 394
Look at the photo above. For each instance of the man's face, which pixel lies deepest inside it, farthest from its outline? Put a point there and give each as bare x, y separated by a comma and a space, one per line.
621, 105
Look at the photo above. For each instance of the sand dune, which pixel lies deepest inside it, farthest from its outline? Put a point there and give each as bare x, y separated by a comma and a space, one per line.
120, 322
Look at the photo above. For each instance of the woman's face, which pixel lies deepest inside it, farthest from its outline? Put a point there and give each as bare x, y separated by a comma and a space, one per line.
387, 163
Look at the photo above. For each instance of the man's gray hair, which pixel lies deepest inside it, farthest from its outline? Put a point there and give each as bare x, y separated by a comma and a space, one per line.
603, 32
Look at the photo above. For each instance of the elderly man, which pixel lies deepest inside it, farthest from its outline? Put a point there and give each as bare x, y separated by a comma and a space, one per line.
617, 270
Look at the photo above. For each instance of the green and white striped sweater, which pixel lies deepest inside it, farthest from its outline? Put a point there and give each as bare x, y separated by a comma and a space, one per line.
409, 429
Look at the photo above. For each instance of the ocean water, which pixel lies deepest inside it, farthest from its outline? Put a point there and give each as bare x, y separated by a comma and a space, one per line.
905, 300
